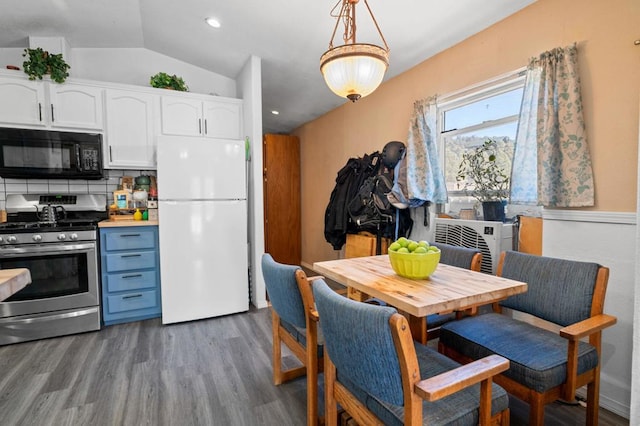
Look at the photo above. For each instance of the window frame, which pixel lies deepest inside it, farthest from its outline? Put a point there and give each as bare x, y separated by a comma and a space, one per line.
493, 87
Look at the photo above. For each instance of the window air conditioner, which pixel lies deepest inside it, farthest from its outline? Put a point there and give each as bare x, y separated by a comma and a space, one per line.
491, 238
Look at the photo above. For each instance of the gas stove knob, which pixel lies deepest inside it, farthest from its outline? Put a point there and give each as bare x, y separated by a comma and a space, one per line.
11, 239
37, 237
73, 237
62, 237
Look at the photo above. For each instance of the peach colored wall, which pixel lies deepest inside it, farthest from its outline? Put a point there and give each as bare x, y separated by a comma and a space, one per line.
610, 74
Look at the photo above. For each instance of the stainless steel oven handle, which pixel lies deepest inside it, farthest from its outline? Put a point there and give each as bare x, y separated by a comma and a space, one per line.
47, 249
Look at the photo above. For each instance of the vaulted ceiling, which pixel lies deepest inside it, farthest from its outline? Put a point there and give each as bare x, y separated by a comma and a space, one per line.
288, 35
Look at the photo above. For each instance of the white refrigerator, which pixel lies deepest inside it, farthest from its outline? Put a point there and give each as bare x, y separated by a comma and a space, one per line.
202, 213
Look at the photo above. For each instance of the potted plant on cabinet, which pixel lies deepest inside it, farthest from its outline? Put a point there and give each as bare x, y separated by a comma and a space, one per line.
40, 62
162, 80
481, 176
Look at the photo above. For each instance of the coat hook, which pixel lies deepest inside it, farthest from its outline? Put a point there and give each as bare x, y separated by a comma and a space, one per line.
637, 42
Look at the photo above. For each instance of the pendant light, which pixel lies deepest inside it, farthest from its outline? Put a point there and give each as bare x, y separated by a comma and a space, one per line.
353, 70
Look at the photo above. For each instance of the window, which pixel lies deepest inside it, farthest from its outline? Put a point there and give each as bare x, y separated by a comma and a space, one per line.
468, 118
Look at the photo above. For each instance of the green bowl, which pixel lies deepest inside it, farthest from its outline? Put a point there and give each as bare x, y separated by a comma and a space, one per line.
417, 266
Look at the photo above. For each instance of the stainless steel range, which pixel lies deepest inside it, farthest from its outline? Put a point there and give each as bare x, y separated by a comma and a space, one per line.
55, 237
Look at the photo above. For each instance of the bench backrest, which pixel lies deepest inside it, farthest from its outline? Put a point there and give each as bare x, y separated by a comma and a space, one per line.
560, 291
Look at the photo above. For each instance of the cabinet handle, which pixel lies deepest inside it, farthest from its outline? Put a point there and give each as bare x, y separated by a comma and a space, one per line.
130, 255
206, 132
132, 276
40, 111
110, 156
52, 116
200, 125
129, 235
132, 296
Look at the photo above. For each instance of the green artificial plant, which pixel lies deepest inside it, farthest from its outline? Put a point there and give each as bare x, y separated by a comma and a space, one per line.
480, 176
40, 62
162, 80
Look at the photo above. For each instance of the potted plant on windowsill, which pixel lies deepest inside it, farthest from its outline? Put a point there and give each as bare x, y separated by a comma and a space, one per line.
480, 176
162, 80
40, 62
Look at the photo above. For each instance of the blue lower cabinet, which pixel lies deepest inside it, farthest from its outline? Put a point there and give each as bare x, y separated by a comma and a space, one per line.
130, 264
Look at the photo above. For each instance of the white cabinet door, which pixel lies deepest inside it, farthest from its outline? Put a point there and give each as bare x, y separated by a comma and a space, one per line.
181, 116
22, 102
75, 106
223, 119
130, 130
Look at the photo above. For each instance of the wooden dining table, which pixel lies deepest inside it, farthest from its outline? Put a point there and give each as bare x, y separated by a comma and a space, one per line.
12, 281
448, 289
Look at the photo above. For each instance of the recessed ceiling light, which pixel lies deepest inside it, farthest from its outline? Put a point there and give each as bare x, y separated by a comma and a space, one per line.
213, 22
274, 112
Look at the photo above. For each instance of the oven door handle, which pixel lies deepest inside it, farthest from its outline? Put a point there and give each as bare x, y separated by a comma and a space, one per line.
47, 249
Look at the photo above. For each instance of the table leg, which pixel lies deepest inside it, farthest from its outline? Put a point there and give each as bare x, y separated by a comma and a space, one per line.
418, 327
354, 294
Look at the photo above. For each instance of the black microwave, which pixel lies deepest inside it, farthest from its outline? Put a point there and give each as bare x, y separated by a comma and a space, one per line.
47, 154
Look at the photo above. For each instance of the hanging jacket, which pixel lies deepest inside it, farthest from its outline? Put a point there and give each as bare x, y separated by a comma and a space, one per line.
348, 181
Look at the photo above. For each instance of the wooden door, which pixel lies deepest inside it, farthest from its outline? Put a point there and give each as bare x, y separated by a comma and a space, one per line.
281, 177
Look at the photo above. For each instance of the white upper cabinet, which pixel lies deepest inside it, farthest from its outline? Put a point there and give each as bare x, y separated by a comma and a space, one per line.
21, 102
223, 119
131, 129
75, 106
45, 104
181, 116
218, 118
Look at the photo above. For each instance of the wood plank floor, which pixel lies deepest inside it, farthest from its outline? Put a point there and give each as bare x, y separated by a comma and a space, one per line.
208, 372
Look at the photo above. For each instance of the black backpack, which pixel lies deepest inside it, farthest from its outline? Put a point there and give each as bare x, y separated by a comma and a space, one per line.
370, 206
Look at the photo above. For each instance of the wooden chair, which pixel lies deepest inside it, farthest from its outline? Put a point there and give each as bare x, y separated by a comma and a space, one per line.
545, 365
292, 326
469, 258
379, 376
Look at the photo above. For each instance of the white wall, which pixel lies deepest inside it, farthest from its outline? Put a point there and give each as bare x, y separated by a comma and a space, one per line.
610, 240
250, 89
635, 372
133, 66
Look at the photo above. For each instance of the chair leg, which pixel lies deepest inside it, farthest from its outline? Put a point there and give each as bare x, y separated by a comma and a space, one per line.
277, 350
593, 399
312, 385
330, 405
536, 410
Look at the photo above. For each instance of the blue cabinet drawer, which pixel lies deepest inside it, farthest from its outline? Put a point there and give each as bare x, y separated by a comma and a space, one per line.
130, 240
131, 261
130, 281
131, 302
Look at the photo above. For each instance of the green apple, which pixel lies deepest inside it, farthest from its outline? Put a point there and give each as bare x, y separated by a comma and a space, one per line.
402, 241
420, 250
403, 250
433, 248
394, 246
412, 246
423, 243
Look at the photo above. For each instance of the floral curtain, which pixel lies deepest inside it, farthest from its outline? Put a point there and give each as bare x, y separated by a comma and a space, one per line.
425, 180
552, 165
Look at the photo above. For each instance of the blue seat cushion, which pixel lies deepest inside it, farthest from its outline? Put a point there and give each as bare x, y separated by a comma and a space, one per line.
538, 357
460, 408
436, 320
433, 320
300, 334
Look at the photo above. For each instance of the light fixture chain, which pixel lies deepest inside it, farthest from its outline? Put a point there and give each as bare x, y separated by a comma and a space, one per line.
386, 46
348, 15
333, 15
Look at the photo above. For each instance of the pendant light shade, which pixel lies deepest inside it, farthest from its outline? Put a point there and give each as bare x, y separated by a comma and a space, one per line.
353, 70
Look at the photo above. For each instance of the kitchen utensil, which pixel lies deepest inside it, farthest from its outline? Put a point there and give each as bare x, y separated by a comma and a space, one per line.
51, 214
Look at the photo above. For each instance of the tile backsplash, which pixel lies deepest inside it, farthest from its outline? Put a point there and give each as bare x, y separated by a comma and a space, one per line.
66, 186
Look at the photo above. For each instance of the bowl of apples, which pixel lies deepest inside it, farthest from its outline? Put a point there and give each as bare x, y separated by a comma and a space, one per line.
413, 259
